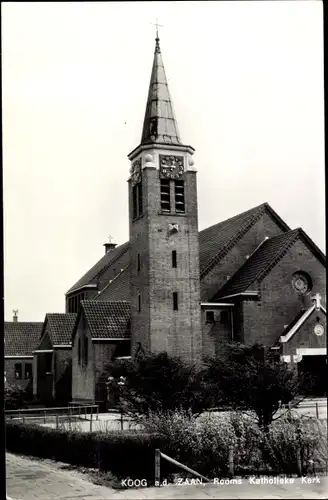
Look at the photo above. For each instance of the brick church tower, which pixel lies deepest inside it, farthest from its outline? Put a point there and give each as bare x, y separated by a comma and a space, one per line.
164, 268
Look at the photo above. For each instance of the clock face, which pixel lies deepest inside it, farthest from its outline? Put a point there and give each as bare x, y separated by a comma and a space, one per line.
301, 283
319, 330
171, 167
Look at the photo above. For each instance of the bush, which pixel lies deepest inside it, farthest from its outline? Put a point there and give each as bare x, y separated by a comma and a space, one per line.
153, 382
201, 443
16, 397
292, 442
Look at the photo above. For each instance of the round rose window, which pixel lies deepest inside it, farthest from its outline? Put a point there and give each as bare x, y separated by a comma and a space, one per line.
301, 282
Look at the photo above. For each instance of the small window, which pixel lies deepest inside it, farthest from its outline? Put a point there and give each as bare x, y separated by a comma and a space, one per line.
134, 202
139, 302
140, 206
175, 301
18, 371
210, 317
138, 263
174, 258
48, 362
179, 197
79, 351
28, 371
137, 205
85, 350
165, 195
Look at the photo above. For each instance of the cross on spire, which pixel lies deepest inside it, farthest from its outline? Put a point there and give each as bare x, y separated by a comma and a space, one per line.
317, 300
110, 238
157, 25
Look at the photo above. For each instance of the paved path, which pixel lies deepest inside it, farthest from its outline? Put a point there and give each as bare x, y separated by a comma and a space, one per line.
32, 479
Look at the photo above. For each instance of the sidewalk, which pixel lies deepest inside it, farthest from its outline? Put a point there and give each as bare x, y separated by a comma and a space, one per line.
29, 479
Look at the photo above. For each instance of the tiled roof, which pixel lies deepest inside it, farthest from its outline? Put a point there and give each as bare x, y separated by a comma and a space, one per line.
254, 267
60, 327
215, 241
107, 320
118, 288
21, 338
107, 261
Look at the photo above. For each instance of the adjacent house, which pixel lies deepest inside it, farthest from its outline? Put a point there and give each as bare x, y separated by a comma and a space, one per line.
52, 360
101, 334
20, 340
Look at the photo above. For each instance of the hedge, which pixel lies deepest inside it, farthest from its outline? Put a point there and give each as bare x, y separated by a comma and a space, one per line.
125, 454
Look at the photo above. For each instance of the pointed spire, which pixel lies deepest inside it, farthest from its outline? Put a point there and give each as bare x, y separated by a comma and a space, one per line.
160, 125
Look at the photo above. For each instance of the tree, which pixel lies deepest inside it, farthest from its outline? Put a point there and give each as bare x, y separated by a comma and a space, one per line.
157, 382
252, 378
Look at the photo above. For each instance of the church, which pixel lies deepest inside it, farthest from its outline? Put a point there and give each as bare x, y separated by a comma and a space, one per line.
173, 288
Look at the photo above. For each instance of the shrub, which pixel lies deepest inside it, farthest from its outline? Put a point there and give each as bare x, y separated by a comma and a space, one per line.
16, 397
201, 443
293, 442
253, 378
153, 382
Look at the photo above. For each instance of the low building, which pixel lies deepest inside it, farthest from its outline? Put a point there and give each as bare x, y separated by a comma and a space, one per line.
102, 333
20, 340
52, 383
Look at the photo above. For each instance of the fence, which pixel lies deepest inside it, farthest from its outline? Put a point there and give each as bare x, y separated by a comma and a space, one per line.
54, 415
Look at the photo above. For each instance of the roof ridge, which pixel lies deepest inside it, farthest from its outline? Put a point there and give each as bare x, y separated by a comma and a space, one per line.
240, 232
229, 219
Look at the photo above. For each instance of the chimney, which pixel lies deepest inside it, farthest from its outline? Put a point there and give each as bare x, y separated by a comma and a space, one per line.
110, 245
15, 317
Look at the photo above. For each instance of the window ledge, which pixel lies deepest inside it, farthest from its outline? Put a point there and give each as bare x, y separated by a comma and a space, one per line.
178, 214
139, 217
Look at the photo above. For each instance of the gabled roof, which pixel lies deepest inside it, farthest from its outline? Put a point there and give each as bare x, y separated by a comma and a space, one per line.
160, 125
107, 320
298, 321
115, 256
59, 327
21, 338
118, 288
216, 241
266, 255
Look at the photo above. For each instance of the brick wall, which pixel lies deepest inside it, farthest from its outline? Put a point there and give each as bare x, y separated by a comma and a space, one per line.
10, 372
63, 375
83, 376
265, 321
214, 333
104, 351
229, 264
157, 326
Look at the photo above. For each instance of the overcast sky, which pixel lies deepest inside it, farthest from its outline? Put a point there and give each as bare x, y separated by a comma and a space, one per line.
246, 79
